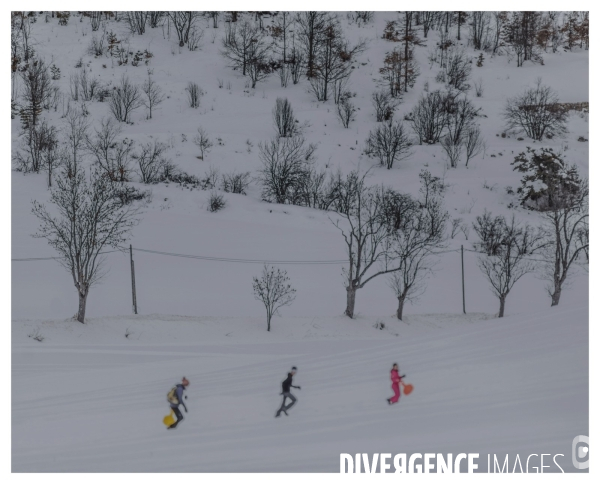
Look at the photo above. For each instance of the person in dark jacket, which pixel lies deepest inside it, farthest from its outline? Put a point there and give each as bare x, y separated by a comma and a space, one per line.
180, 387
285, 387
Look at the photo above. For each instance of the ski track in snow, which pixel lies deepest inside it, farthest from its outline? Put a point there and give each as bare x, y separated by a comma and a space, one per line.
512, 385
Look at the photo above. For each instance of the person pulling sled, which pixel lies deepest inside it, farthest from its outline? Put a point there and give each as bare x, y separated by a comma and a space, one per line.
285, 387
396, 380
175, 398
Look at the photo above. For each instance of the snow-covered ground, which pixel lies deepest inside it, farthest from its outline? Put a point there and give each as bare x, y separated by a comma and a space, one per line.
88, 398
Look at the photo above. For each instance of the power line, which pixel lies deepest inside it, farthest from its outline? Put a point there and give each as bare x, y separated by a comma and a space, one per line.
524, 258
242, 261
30, 259
223, 259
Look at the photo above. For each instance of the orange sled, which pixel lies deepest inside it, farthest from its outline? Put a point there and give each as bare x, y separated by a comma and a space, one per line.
407, 388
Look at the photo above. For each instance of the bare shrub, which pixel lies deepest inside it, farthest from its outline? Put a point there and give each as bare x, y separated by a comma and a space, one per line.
430, 117
216, 202
151, 161
285, 74
194, 94
389, 143
137, 21
473, 142
537, 112
283, 117
113, 156
95, 18
195, 38
285, 164
236, 182
124, 100
153, 92
453, 149
203, 142
37, 90
97, 46
384, 105
345, 111
458, 70
478, 87
274, 290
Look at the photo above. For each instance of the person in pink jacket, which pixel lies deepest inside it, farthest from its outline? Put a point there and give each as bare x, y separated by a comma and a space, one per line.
396, 380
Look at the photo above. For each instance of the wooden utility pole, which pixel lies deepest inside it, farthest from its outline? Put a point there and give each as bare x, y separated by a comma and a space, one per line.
462, 264
134, 300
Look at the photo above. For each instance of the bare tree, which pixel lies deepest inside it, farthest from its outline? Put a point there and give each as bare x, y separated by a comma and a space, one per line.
506, 248
37, 144
460, 117
215, 18
479, 27
153, 92
429, 117
537, 112
281, 31
76, 131
458, 70
137, 21
296, 61
417, 229
91, 218
183, 23
113, 156
311, 28
399, 72
384, 105
151, 161
332, 61
389, 143
52, 155
236, 182
125, 99
156, 18
365, 231
283, 117
194, 94
556, 189
36, 91
274, 290
346, 110
243, 44
203, 142
285, 164
410, 39
258, 63
567, 226
473, 143
453, 149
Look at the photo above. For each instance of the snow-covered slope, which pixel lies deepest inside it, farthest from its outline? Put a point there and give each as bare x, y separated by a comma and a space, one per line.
88, 399
177, 221
91, 397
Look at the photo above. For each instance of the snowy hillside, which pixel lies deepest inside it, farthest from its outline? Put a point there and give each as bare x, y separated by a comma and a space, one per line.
177, 221
91, 396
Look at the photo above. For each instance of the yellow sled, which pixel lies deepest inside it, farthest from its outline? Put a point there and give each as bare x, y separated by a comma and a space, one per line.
169, 419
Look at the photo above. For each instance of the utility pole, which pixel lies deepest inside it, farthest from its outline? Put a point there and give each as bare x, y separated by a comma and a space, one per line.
462, 264
134, 299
